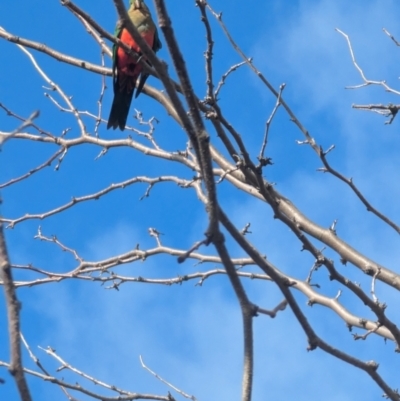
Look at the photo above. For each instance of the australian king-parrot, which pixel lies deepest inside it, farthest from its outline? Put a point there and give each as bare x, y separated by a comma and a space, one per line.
127, 69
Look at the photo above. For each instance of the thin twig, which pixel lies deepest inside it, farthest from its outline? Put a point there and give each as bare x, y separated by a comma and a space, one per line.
208, 53
367, 81
225, 76
272, 313
57, 88
268, 123
47, 163
25, 124
182, 393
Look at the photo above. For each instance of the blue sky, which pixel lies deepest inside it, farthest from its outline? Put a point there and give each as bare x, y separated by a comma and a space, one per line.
188, 334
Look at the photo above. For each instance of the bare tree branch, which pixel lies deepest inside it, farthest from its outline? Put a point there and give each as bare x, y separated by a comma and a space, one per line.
13, 307
54, 53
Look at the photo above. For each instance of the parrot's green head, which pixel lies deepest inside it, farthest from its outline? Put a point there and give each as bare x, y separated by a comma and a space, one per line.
138, 4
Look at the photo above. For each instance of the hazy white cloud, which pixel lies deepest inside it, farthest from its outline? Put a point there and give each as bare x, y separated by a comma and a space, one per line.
313, 59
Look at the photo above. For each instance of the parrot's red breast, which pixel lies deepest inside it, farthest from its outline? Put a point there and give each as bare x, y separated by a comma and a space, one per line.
126, 65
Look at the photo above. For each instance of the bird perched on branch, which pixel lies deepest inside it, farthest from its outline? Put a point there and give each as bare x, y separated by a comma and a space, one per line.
126, 68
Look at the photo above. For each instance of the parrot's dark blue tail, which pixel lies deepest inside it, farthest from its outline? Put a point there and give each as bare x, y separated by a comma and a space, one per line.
120, 110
